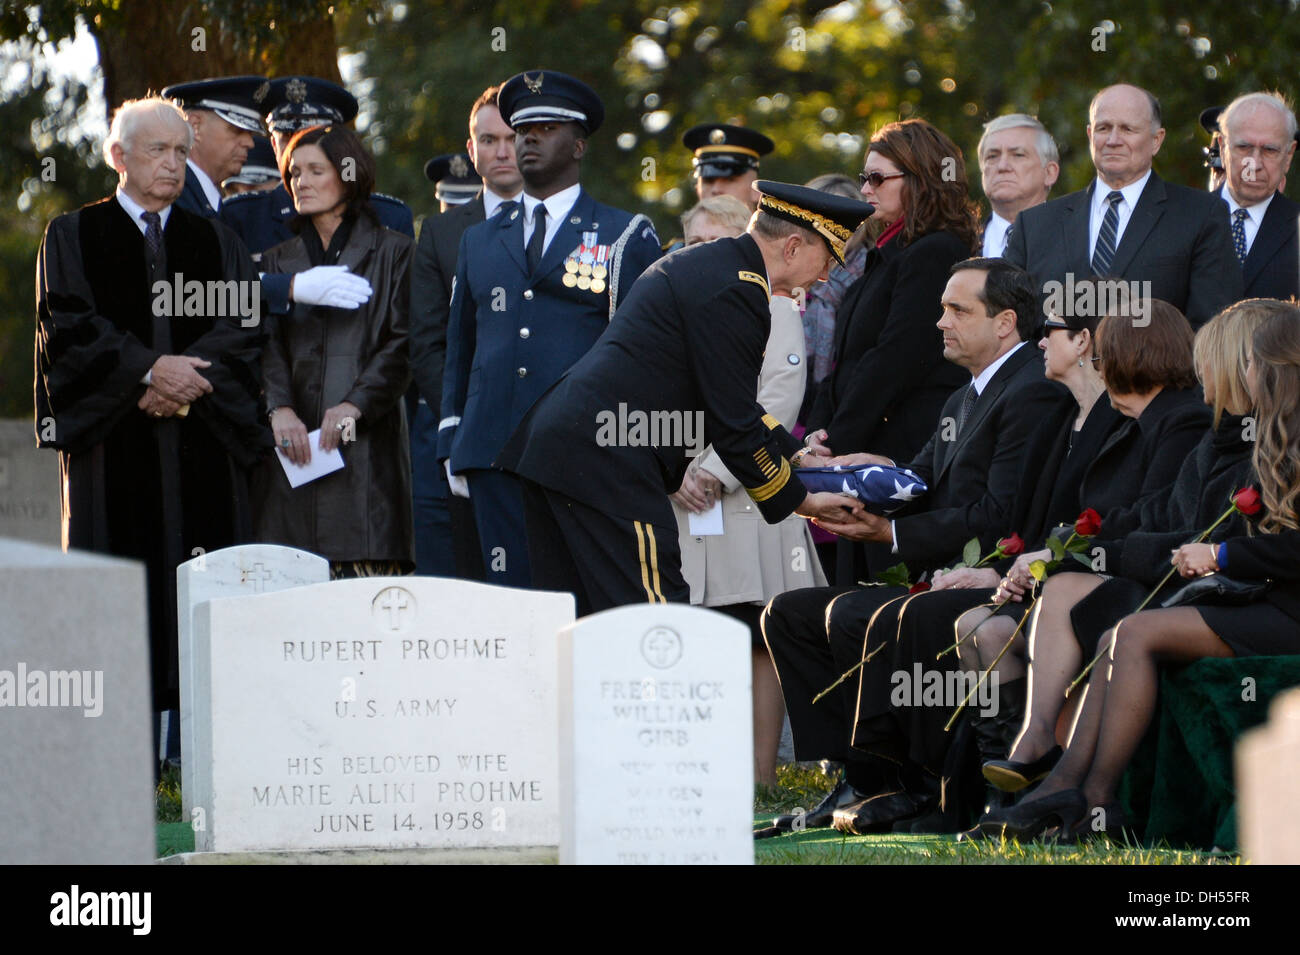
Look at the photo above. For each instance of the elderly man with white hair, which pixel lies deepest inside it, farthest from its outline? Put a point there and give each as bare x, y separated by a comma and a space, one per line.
1259, 141
1019, 164
148, 345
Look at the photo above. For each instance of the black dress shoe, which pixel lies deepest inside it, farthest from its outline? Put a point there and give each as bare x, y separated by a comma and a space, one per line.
1011, 777
879, 813
820, 816
1032, 818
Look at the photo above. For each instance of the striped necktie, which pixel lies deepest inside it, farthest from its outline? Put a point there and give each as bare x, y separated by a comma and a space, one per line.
1104, 254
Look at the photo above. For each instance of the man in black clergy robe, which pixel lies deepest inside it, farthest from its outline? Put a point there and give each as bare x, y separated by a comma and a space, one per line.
155, 415
684, 348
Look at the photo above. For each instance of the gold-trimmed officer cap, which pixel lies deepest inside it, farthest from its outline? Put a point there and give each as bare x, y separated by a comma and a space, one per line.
455, 179
722, 150
834, 218
300, 102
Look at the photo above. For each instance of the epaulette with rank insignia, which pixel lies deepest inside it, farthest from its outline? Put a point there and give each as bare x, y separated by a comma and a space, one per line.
746, 276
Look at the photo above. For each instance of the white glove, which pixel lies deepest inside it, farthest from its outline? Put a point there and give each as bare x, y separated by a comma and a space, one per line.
331, 285
459, 485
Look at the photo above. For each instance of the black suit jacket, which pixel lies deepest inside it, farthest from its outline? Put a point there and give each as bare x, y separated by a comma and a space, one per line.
973, 475
432, 272
1272, 267
1177, 239
890, 379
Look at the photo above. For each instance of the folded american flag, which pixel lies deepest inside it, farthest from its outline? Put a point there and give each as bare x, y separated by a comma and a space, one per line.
881, 489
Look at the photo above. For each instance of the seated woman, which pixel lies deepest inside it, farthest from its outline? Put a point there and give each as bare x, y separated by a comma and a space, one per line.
342, 370
738, 571
1120, 698
1076, 608
1105, 454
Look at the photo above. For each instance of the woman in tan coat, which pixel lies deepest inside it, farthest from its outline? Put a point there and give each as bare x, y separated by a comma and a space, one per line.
740, 570
342, 370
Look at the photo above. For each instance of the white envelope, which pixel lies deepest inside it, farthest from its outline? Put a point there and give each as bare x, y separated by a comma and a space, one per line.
708, 524
321, 464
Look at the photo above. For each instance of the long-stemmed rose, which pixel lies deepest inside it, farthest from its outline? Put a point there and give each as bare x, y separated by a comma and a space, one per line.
1244, 501
1086, 526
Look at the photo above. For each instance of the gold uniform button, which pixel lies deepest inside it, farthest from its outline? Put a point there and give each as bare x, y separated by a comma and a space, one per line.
523, 372
524, 333
528, 295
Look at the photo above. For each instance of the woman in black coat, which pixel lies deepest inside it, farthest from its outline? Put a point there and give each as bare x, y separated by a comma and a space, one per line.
1076, 608
889, 379
1121, 698
342, 370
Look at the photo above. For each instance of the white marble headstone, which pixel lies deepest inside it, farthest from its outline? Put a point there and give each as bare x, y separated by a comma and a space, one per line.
29, 486
76, 774
1268, 785
382, 712
656, 738
229, 572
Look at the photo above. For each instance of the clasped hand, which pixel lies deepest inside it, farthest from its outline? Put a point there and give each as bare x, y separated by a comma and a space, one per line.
699, 490
1196, 560
1019, 580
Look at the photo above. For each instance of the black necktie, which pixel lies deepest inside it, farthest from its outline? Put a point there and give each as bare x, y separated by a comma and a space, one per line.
538, 239
1104, 253
152, 235
967, 403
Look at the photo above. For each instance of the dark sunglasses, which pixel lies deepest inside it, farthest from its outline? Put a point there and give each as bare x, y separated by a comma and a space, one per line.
1051, 324
877, 178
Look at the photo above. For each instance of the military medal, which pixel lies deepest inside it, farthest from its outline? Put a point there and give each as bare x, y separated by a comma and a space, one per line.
584, 282
569, 280
598, 270
570, 265
598, 285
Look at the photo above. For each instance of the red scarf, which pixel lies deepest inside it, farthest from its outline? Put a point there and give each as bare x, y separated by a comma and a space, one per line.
892, 231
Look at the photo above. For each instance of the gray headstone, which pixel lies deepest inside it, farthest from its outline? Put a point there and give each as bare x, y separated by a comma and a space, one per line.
381, 712
1268, 786
76, 770
656, 738
29, 486
229, 572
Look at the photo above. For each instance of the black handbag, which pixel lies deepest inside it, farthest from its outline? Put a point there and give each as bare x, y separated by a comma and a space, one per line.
1216, 589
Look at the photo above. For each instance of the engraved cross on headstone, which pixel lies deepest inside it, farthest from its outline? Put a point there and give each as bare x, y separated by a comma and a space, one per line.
662, 646
394, 606
257, 575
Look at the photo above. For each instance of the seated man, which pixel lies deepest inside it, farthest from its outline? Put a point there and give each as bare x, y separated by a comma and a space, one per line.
971, 465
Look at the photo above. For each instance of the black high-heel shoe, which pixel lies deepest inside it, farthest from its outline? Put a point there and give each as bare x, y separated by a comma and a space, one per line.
1030, 819
1011, 776
1115, 825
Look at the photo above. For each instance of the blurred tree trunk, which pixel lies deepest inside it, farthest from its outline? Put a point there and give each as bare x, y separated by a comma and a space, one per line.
145, 46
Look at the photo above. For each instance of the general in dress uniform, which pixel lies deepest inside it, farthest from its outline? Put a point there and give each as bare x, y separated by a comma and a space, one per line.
535, 288
686, 346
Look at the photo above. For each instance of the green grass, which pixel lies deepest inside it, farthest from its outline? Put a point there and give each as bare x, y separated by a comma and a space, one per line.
167, 797
802, 787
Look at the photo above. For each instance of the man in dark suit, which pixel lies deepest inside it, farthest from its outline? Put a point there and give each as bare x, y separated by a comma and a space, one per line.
971, 464
1258, 131
1129, 223
225, 112
535, 287
491, 152
1019, 164
678, 369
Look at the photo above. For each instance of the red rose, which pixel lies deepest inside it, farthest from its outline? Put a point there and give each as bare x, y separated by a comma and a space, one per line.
1011, 546
1088, 523
920, 587
1247, 501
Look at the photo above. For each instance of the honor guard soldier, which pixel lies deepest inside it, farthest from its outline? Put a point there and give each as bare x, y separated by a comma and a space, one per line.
686, 346
262, 219
726, 160
259, 173
455, 181
535, 286
225, 112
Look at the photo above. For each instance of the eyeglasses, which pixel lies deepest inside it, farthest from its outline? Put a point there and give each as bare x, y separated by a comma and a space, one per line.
876, 179
1051, 324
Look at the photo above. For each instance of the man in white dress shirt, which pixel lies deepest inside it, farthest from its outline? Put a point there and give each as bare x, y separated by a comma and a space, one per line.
1019, 164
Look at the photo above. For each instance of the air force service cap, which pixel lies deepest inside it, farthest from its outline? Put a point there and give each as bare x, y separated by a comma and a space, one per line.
456, 181
834, 218
236, 99
299, 102
722, 150
544, 96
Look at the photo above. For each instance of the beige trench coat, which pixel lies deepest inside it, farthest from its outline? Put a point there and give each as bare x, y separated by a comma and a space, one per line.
753, 561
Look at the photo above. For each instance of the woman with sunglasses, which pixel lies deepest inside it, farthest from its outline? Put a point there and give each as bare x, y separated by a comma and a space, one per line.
889, 379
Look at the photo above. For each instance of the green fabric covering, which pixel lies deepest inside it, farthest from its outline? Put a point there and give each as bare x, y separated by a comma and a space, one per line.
1179, 787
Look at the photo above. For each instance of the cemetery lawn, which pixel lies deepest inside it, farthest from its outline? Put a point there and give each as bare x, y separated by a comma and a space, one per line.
802, 787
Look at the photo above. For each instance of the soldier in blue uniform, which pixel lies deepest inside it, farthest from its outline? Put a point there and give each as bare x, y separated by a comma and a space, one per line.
535, 287
686, 347
259, 173
725, 160
225, 113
